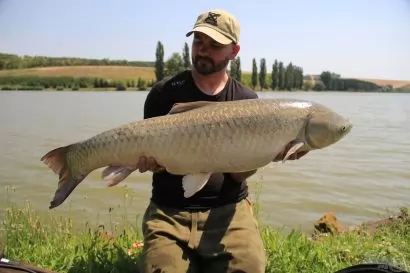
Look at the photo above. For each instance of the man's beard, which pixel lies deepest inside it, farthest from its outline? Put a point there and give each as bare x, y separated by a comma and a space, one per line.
206, 66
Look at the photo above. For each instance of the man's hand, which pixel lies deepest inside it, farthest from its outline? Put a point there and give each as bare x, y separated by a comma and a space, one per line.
294, 156
148, 164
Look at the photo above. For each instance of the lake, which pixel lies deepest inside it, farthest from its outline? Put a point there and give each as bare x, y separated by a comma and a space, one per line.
363, 177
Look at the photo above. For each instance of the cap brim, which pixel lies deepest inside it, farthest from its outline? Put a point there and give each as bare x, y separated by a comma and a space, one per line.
220, 38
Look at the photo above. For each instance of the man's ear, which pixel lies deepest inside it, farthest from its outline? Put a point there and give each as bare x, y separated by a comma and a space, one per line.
235, 50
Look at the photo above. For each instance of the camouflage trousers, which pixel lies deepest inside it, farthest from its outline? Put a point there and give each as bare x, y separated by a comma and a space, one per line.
224, 239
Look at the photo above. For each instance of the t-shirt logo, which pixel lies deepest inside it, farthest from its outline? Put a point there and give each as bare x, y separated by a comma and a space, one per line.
212, 18
178, 83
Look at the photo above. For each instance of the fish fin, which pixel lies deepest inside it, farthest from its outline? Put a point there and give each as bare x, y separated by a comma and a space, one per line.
192, 183
56, 161
296, 145
187, 106
116, 174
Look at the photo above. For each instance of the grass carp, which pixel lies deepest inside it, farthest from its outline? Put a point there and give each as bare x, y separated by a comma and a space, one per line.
197, 139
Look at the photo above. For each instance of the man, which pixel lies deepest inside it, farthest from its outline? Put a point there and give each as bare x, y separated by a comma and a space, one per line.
214, 230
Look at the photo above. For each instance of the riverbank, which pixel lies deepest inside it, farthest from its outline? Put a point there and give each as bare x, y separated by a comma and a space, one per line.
54, 243
121, 78
136, 89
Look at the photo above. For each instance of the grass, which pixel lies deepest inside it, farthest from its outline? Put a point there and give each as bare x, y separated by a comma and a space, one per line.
56, 243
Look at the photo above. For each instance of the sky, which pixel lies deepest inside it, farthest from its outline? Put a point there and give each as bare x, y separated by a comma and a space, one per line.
354, 38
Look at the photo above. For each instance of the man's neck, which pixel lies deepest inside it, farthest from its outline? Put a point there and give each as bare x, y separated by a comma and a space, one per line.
210, 84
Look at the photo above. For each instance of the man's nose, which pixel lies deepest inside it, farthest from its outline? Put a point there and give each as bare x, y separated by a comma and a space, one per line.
203, 50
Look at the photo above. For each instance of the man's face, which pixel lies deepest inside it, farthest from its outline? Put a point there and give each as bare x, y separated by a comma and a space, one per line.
209, 56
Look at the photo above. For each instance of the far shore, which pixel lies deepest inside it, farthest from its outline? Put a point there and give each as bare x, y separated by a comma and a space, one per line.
135, 89
131, 78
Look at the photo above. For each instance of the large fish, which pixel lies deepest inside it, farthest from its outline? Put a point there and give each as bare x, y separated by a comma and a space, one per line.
197, 139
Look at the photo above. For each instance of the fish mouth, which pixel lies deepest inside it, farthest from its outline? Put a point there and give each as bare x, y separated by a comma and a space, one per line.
347, 127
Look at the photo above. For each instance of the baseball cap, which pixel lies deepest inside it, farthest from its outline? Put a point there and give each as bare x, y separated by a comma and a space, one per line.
218, 24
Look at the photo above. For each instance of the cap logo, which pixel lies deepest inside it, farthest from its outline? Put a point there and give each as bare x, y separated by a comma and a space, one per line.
212, 18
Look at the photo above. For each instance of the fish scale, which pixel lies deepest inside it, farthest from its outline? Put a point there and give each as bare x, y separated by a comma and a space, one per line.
200, 138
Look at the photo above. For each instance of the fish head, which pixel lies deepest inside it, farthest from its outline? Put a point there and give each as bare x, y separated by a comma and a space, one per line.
325, 128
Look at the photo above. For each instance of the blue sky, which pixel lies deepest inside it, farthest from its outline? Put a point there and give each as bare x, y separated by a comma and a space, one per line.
356, 38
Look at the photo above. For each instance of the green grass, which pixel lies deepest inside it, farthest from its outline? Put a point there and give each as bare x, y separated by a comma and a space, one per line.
58, 244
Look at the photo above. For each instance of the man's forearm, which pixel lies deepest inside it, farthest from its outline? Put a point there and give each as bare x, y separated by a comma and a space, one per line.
239, 177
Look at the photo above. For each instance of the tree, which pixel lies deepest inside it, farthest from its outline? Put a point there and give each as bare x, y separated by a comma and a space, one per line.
308, 85
289, 76
186, 56
297, 77
275, 74
326, 77
235, 69
254, 74
232, 69
159, 62
300, 71
281, 78
174, 64
238, 69
319, 86
262, 74
141, 84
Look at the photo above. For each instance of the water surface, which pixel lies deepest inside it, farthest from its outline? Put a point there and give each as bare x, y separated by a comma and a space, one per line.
359, 178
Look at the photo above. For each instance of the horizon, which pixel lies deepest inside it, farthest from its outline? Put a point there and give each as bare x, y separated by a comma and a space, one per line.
366, 39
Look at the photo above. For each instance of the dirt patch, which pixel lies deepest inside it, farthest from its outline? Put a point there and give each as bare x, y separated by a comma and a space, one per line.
329, 223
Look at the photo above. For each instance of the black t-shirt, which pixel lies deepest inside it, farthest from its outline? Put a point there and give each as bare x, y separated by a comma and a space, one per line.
167, 188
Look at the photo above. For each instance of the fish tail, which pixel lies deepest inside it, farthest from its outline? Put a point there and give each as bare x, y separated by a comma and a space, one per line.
56, 160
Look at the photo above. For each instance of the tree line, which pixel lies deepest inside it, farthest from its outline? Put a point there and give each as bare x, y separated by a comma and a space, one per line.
12, 61
334, 82
279, 77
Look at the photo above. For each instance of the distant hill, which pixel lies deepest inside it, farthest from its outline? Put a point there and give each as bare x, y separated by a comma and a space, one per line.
393, 83
381, 82
13, 61
89, 71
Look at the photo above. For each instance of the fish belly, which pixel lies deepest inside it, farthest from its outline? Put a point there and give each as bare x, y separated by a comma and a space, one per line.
234, 145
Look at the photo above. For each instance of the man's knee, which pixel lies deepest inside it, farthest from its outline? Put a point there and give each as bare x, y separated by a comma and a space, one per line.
168, 257
239, 247
249, 261
165, 248
247, 248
